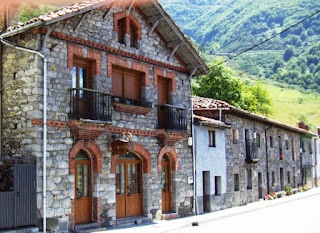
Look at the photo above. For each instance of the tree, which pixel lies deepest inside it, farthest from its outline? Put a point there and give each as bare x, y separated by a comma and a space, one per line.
221, 84
289, 52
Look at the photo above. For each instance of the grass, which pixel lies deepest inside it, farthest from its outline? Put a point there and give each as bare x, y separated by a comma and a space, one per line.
289, 104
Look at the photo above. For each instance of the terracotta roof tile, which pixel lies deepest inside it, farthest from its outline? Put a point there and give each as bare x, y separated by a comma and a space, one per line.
207, 103
210, 121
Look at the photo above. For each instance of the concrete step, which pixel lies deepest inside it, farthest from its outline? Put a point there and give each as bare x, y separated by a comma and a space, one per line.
87, 228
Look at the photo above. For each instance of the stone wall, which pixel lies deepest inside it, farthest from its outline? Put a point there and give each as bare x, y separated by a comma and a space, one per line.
23, 114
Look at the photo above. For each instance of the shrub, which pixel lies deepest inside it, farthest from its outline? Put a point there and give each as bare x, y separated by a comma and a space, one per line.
288, 190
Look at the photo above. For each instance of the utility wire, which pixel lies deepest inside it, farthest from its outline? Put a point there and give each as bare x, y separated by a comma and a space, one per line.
257, 45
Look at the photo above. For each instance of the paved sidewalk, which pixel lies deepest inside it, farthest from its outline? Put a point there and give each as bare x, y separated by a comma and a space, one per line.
176, 224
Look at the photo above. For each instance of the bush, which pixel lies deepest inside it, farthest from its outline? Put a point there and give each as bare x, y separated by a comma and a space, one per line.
288, 190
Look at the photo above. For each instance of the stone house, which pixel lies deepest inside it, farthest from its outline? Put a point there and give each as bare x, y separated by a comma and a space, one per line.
262, 155
210, 164
99, 94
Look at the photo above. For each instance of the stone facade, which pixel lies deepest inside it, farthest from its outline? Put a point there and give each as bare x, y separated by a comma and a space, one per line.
96, 42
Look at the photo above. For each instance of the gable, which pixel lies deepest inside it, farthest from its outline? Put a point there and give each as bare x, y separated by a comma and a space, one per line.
165, 41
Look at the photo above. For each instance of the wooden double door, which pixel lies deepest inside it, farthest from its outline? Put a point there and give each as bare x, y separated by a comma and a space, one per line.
166, 184
129, 186
83, 189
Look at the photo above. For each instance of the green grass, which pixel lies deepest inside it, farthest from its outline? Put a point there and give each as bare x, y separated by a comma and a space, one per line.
289, 104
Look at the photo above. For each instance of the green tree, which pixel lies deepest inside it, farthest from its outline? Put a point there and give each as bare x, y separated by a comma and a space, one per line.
221, 84
289, 52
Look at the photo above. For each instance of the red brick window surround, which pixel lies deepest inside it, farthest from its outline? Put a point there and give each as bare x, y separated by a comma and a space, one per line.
78, 51
165, 74
173, 156
127, 24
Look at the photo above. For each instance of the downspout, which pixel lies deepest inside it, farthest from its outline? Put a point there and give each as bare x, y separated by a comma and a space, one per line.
44, 162
267, 158
195, 202
1, 76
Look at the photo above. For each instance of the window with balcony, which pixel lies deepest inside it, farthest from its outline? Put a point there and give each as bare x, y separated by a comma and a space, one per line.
126, 86
212, 138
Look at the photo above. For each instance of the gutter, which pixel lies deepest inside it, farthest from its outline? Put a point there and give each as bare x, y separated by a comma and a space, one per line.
195, 202
44, 162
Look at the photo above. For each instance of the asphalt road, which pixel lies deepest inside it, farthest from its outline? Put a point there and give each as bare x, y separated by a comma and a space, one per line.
296, 214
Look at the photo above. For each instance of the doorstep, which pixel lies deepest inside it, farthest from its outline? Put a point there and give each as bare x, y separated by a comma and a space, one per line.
169, 216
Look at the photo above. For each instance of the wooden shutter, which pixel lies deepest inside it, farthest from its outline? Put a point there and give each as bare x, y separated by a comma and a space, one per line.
163, 90
132, 85
117, 82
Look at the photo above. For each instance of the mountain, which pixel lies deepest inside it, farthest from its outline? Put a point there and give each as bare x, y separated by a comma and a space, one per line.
228, 27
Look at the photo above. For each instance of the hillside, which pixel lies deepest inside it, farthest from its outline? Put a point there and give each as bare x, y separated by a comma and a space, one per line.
229, 26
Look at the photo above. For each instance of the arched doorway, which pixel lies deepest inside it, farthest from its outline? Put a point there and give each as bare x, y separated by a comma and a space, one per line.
83, 188
128, 186
166, 184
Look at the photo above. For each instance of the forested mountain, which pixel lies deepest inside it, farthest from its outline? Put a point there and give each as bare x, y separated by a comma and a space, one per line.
232, 26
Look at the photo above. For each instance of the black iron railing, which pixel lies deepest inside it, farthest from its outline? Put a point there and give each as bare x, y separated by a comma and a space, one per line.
172, 118
90, 104
251, 151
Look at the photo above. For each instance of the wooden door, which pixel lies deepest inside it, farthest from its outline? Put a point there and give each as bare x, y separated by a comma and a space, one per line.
166, 184
206, 191
81, 78
83, 190
128, 186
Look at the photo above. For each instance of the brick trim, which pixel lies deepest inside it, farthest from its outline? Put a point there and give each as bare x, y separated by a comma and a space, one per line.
92, 148
56, 124
75, 50
96, 209
173, 156
105, 48
128, 64
139, 150
168, 74
123, 14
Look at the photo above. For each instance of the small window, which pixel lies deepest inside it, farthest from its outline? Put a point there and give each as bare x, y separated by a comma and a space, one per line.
217, 187
271, 141
249, 179
212, 138
133, 35
235, 135
287, 144
310, 148
121, 30
236, 182
302, 146
288, 177
258, 140
293, 150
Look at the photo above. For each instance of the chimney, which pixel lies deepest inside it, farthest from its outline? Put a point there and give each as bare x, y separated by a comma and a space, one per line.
13, 17
301, 125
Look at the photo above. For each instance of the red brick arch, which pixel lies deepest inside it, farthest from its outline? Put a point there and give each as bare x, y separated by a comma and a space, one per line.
173, 156
139, 150
92, 148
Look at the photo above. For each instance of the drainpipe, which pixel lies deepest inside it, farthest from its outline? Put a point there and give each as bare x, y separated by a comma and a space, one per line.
267, 158
44, 162
195, 202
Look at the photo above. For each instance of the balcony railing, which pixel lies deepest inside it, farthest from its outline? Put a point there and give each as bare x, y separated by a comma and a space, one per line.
251, 151
172, 118
90, 104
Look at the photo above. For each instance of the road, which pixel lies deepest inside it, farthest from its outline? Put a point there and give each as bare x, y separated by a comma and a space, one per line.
291, 214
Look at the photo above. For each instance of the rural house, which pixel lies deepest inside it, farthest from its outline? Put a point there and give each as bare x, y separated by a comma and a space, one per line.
260, 155
98, 95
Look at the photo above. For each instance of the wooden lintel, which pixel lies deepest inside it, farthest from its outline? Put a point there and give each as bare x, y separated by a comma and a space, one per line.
173, 51
129, 9
109, 11
193, 66
153, 27
79, 23
192, 73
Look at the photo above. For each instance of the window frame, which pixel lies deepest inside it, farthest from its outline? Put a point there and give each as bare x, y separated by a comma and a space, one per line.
212, 138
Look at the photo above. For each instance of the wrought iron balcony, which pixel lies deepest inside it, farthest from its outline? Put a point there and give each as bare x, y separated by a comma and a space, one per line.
172, 118
251, 151
90, 104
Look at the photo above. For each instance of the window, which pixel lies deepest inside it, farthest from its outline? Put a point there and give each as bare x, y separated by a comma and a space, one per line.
217, 187
121, 30
133, 35
236, 182
288, 177
293, 150
302, 145
235, 135
126, 85
249, 179
258, 140
287, 144
280, 148
212, 138
310, 148
271, 141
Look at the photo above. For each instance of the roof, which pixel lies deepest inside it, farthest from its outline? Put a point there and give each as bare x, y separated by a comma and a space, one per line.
209, 121
207, 104
168, 30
